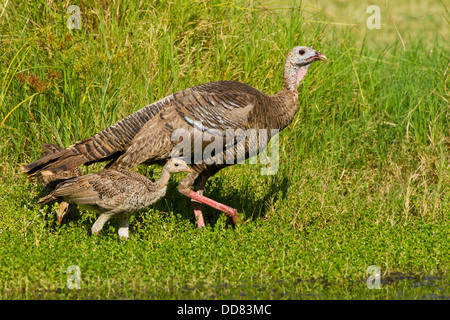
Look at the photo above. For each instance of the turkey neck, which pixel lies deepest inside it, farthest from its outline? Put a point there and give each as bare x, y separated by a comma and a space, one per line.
161, 182
286, 101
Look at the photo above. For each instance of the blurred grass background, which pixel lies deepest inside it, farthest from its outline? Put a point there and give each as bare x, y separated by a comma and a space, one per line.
364, 167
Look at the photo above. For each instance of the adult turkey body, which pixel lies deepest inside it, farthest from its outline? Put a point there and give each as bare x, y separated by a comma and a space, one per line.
211, 109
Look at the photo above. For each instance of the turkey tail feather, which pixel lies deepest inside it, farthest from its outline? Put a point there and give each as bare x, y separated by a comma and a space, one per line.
106, 145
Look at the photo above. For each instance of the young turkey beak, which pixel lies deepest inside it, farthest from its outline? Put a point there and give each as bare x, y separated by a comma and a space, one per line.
60, 213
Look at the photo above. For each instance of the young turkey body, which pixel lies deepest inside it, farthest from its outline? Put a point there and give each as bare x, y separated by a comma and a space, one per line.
115, 193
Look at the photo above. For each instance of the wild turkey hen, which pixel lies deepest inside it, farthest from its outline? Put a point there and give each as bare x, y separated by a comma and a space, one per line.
146, 136
49, 182
115, 193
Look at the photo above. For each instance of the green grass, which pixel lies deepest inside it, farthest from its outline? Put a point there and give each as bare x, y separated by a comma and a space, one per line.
364, 168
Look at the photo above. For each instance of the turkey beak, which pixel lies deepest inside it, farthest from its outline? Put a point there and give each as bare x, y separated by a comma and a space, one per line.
320, 56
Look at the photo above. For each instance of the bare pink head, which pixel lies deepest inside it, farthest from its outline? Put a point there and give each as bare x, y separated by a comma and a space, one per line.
297, 63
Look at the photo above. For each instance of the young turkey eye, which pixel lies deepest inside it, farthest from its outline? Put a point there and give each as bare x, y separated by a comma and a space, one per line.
302, 52
176, 164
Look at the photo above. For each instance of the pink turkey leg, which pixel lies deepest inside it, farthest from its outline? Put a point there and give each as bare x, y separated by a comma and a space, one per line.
198, 214
229, 212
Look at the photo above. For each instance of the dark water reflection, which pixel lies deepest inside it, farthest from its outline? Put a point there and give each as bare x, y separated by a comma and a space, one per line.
396, 286
391, 287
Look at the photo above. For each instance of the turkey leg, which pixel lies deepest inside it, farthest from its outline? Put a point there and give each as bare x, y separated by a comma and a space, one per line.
198, 198
199, 185
197, 206
229, 212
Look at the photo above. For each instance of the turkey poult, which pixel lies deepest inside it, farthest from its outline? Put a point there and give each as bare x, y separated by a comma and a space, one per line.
115, 193
146, 136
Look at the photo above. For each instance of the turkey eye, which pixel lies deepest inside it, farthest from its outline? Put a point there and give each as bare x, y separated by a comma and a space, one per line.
176, 164
302, 52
